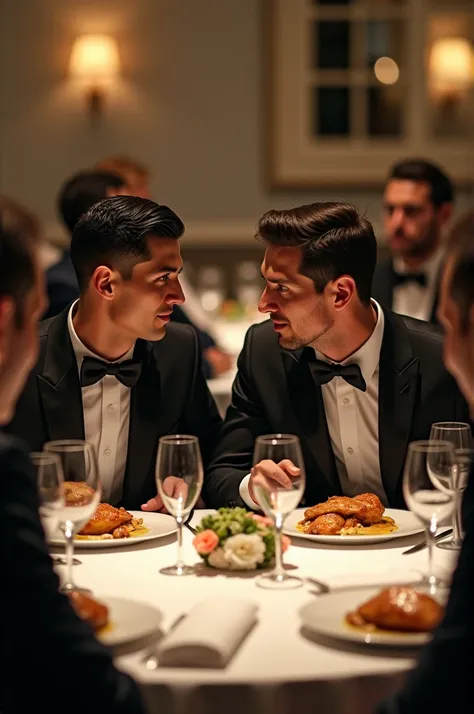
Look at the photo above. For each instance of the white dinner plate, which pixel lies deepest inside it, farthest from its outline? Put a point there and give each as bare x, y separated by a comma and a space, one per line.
407, 524
326, 616
131, 624
159, 525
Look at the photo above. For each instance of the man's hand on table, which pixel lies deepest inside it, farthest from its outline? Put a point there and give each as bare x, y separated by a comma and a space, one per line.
175, 488
269, 475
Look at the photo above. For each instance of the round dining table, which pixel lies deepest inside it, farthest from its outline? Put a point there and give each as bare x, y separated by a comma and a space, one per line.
280, 667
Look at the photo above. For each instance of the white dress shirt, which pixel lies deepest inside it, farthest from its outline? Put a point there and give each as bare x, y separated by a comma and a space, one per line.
352, 417
413, 299
106, 409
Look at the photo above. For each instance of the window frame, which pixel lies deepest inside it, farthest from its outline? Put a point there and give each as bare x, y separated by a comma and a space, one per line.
295, 159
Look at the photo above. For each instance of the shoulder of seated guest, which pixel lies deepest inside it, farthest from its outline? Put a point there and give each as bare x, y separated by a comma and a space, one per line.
14, 458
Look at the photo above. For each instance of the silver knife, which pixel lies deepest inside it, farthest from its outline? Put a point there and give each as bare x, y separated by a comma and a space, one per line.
419, 546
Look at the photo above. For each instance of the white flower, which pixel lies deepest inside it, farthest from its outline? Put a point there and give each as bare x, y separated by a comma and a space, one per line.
244, 551
217, 559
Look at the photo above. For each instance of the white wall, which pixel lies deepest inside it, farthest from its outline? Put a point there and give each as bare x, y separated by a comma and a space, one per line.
190, 105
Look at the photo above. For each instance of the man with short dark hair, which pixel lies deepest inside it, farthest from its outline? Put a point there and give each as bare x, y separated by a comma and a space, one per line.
38, 625
418, 203
76, 196
106, 371
354, 381
443, 679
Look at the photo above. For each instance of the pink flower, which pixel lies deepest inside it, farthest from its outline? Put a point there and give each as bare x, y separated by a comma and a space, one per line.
285, 543
262, 520
205, 542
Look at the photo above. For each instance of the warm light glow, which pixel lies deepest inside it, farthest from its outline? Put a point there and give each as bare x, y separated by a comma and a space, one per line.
94, 58
451, 63
386, 70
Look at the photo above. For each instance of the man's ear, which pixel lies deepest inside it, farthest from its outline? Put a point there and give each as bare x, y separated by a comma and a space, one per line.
445, 213
344, 288
7, 314
104, 281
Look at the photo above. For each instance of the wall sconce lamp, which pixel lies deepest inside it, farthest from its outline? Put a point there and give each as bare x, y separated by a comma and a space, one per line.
95, 63
451, 69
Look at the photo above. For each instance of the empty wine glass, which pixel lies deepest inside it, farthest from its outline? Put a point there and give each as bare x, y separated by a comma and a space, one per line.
50, 485
276, 501
179, 479
427, 463
460, 436
82, 492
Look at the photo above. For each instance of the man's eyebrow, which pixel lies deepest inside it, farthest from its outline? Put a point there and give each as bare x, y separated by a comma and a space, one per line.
275, 279
168, 269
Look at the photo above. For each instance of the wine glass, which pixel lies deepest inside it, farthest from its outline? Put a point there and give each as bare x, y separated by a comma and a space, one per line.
50, 485
276, 501
459, 435
427, 463
82, 491
179, 479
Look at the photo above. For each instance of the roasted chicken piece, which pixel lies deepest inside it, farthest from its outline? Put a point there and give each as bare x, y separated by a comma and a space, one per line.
367, 512
352, 523
93, 611
77, 493
105, 520
399, 608
374, 503
329, 524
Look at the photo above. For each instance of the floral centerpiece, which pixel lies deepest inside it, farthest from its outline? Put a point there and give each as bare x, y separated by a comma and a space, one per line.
235, 539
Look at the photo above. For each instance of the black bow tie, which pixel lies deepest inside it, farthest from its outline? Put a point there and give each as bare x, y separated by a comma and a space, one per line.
93, 370
403, 278
324, 372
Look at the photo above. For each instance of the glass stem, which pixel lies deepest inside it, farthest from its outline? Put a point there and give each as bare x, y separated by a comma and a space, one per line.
69, 536
430, 540
279, 572
180, 561
457, 517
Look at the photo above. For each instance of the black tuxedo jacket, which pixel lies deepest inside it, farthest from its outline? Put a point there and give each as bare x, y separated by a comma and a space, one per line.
170, 397
443, 680
384, 283
66, 668
274, 392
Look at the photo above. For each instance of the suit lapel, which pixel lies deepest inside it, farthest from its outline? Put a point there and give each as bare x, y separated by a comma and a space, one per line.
58, 384
148, 421
398, 387
307, 403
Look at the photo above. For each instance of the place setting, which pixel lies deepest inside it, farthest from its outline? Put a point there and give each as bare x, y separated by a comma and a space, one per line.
238, 543
402, 614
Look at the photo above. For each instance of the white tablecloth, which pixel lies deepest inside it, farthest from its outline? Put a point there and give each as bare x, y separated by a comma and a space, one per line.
278, 668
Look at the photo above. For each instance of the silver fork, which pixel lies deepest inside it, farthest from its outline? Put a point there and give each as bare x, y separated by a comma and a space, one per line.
323, 588
420, 546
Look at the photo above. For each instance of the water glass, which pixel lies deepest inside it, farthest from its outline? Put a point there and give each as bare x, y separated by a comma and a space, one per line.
179, 479
460, 436
429, 463
276, 501
82, 492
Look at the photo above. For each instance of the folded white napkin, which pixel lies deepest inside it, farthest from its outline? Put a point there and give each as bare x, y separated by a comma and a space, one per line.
209, 635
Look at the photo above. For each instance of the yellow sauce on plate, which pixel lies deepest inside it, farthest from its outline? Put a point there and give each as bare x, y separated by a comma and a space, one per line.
387, 525
137, 533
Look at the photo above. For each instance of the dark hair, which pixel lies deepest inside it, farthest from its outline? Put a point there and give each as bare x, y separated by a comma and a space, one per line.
114, 232
334, 238
421, 171
461, 245
82, 190
18, 220
19, 231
